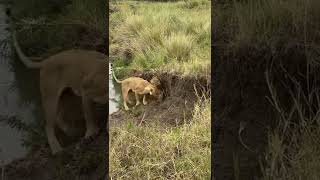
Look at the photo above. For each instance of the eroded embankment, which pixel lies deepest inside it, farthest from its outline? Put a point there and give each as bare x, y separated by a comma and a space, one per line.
176, 105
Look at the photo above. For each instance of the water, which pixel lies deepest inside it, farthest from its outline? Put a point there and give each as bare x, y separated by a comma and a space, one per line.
114, 95
19, 96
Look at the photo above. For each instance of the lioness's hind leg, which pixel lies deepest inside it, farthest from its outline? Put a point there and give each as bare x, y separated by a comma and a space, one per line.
50, 107
125, 98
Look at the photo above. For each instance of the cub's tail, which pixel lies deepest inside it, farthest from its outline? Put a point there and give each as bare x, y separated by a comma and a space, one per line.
26, 61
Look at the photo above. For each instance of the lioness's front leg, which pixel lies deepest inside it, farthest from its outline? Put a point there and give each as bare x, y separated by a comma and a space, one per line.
137, 99
91, 126
144, 100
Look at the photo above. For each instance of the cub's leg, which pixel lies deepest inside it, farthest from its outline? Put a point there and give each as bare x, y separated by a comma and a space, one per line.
144, 100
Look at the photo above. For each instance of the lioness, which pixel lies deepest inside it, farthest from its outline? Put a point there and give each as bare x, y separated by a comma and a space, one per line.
138, 85
82, 71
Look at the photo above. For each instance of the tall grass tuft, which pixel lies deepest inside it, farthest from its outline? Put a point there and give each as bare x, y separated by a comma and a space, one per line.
178, 46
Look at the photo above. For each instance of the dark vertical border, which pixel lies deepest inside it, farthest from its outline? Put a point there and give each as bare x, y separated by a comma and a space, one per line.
212, 89
107, 51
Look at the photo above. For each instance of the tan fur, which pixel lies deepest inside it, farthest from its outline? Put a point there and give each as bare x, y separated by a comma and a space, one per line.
139, 86
84, 72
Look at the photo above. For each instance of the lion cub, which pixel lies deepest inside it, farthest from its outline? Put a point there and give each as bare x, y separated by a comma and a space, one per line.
139, 86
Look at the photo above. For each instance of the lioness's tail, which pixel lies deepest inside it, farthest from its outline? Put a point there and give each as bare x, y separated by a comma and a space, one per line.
114, 76
26, 61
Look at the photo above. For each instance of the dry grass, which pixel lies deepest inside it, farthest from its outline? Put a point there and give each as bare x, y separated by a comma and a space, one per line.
293, 150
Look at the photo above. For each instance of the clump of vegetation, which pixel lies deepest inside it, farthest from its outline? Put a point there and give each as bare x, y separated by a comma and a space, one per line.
162, 36
157, 151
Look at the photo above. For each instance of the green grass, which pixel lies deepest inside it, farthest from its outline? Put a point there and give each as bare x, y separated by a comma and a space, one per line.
154, 151
172, 36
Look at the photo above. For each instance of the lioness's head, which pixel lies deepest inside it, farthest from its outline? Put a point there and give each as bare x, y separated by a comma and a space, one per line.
155, 81
150, 89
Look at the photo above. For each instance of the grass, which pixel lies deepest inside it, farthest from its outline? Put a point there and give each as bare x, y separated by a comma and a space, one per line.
293, 150
171, 36
270, 24
285, 35
157, 152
